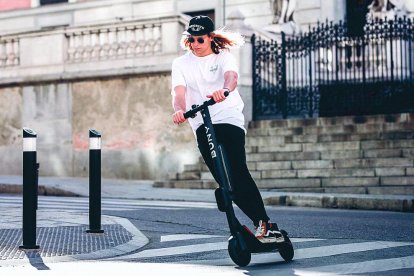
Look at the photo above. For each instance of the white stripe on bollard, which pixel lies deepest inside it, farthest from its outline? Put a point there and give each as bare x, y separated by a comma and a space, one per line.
29, 144
95, 143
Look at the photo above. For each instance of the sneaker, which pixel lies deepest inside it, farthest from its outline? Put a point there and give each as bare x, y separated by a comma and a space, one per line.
268, 232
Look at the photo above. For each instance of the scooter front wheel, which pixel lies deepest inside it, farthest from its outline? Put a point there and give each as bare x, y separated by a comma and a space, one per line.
239, 257
286, 250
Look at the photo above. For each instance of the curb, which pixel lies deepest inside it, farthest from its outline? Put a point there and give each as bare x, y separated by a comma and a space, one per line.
343, 202
43, 190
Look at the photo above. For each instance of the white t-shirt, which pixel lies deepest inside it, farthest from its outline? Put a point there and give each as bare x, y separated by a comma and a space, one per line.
202, 76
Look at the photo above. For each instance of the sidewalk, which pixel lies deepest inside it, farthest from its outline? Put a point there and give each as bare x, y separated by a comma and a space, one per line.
142, 189
62, 237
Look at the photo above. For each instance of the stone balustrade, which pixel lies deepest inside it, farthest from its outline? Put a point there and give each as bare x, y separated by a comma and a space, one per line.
9, 51
101, 50
114, 42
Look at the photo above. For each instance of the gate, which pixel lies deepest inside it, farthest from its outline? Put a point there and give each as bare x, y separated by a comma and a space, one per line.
326, 72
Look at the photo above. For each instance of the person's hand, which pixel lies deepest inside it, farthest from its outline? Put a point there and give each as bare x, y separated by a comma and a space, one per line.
218, 95
178, 117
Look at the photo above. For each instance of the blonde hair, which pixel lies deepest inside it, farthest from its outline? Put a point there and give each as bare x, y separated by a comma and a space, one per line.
222, 40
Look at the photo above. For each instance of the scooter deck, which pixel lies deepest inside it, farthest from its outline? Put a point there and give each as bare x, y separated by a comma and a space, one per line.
255, 246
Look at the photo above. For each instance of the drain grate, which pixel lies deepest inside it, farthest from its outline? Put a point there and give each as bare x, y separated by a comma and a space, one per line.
61, 241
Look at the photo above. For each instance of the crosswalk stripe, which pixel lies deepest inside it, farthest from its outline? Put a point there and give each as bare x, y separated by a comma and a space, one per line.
188, 249
177, 250
380, 265
86, 207
330, 250
182, 237
316, 252
118, 203
185, 204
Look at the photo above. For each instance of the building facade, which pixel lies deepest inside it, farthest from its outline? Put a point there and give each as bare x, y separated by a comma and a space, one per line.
68, 66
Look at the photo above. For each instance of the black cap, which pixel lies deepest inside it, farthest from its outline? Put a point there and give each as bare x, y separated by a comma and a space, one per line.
200, 25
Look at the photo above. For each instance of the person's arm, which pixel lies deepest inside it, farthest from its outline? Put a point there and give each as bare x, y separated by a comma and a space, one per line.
230, 80
230, 83
178, 102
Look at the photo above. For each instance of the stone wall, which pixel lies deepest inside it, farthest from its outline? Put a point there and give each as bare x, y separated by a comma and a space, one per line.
10, 130
133, 114
113, 77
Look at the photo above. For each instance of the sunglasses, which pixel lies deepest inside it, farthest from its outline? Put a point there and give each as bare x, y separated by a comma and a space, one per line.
199, 40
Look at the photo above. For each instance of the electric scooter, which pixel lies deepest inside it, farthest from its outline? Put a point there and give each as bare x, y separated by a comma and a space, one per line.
242, 242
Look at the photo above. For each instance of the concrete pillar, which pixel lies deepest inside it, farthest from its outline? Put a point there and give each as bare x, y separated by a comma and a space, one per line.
170, 31
235, 22
409, 7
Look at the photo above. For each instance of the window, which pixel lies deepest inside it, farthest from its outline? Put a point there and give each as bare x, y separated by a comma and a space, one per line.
48, 2
356, 12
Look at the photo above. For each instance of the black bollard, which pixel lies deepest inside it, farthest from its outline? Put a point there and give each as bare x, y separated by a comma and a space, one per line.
37, 186
94, 182
29, 189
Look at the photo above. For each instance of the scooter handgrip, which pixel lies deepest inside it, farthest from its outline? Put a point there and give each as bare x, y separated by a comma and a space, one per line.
189, 114
192, 112
211, 101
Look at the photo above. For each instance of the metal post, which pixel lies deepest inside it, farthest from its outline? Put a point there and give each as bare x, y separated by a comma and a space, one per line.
311, 111
94, 182
29, 189
37, 186
284, 79
254, 86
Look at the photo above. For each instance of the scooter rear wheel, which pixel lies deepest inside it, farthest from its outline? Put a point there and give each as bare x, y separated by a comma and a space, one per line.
239, 257
286, 250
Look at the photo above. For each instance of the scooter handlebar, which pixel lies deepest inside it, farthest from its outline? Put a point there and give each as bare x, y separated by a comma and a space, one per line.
193, 111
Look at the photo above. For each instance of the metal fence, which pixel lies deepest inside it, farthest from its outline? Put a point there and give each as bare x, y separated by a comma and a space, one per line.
326, 72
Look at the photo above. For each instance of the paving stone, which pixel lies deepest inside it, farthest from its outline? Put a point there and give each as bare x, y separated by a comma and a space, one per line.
276, 165
350, 181
278, 174
285, 183
388, 144
382, 153
326, 173
332, 146
341, 154
188, 175
373, 162
391, 190
408, 153
282, 156
281, 148
389, 171
266, 141
312, 164
399, 181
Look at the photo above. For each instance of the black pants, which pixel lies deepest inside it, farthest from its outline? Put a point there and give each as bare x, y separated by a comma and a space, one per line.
245, 192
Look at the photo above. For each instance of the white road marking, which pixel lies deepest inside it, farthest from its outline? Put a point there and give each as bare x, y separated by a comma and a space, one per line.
188, 249
177, 250
380, 265
183, 237
110, 205
314, 252
330, 250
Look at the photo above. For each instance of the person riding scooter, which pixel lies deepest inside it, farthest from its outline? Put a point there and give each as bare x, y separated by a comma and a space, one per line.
208, 70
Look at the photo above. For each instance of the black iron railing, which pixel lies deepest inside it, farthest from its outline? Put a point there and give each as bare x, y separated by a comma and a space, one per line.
325, 72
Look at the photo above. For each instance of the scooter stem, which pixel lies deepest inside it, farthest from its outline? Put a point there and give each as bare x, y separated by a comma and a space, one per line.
220, 168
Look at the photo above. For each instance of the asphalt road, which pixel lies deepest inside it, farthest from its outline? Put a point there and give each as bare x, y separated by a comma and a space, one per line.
325, 240
187, 238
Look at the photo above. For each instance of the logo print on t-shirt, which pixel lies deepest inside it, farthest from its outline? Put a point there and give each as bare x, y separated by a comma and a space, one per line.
214, 68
